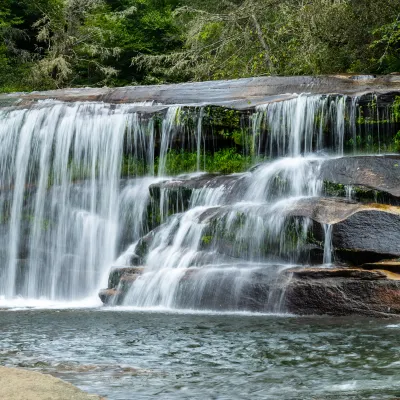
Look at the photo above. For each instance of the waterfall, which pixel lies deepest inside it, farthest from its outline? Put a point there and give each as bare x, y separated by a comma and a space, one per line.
216, 249
60, 179
68, 212
327, 244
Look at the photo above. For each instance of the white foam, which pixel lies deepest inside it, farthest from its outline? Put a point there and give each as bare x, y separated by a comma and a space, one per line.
21, 303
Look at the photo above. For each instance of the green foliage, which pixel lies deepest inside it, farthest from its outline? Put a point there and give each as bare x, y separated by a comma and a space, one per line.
396, 142
133, 167
225, 161
396, 109
388, 44
57, 43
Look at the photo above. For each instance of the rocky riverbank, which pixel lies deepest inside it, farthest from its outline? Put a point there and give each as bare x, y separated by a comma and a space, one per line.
20, 384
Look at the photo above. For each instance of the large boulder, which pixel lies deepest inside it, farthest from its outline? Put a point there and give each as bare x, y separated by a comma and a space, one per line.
360, 233
332, 291
368, 177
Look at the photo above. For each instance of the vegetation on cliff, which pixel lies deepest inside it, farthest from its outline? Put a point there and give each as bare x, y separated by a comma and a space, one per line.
49, 44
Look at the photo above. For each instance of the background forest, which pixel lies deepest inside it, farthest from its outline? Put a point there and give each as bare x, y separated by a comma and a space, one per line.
46, 44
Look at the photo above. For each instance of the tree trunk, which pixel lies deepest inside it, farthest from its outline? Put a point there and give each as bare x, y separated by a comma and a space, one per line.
268, 61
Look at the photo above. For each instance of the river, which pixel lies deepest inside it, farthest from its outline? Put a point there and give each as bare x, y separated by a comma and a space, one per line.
126, 354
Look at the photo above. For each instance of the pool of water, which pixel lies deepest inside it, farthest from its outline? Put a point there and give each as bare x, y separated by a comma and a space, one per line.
127, 354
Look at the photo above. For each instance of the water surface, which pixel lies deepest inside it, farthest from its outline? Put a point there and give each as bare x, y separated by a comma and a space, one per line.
125, 354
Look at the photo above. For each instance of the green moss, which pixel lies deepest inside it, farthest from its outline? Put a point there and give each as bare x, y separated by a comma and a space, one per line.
396, 109
334, 189
396, 142
206, 240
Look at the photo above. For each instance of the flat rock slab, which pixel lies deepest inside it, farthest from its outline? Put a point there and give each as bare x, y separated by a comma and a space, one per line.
20, 384
202, 181
240, 93
342, 292
387, 265
325, 273
379, 173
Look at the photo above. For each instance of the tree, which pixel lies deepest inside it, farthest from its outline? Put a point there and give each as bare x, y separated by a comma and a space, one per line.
387, 45
78, 34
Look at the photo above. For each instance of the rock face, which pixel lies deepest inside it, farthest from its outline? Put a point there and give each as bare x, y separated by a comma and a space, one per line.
371, 177
342, 292
360, 232
237, 231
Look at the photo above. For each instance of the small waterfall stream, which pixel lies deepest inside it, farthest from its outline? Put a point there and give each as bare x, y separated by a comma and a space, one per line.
67, 213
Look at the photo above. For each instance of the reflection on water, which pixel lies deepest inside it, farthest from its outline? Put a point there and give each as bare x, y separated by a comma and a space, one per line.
131, 355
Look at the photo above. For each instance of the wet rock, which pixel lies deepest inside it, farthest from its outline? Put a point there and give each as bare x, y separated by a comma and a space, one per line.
326, 273
211, 181
107, 296
360, 232
342, 292
177, 193
135, 260
387, 265
119, 281
375, 178
269, 287
243, 286
119, 275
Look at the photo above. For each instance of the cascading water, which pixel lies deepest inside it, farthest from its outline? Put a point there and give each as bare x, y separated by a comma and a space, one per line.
210, 255
66, 213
